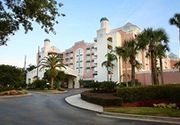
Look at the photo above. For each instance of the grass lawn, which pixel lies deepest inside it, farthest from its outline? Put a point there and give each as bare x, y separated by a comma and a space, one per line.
145, 111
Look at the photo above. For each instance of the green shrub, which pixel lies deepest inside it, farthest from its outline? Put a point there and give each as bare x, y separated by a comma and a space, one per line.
103, 99
39, 84
95, 86
164, 92
86, 83
130, 84
106, 86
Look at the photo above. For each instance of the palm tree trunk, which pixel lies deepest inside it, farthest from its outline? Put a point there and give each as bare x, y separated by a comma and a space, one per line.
126, 73
133, 75
52, 83
161, 70
179, 42
133, 64
119, 69
153, 72
107, 74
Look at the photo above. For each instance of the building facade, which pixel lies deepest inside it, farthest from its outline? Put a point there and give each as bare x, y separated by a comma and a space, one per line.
80, 57
84, 59
71, 76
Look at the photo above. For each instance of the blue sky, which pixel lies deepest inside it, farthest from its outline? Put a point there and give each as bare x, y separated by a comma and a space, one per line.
82, 21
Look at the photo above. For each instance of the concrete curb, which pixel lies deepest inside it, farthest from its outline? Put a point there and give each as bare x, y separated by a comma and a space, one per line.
14, 96
76, 101
49, 92
171, 120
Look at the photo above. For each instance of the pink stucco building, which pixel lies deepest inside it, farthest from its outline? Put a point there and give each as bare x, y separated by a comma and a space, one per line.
80, 57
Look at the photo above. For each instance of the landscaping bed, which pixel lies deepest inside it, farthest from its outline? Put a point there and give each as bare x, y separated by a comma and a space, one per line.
104, 99
145, 111
13, 92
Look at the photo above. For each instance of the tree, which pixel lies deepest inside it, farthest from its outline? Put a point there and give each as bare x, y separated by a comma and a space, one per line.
59, 78
132, 48
30, 67
176, 21
109, 64
161, 53
52, 63
124, 53
150, 39
11, 76
17, 13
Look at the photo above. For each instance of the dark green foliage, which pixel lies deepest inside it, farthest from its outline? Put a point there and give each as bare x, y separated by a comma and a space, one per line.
130, 84
103, 99
39, 84
59, 78
95, 86
22, 13
86, 83
30, 67
106, 86
11, 77
164, 92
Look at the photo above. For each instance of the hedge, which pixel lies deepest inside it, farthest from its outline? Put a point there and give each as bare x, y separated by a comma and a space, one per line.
163, 92
104, 99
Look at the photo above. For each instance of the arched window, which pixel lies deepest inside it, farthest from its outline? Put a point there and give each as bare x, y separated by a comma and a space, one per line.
109, 39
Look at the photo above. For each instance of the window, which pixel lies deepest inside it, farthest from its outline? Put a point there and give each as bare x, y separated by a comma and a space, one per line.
109, 39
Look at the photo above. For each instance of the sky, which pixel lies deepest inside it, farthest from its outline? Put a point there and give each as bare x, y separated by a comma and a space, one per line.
82, 20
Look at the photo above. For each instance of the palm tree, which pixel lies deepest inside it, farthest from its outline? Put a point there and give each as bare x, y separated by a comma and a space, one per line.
123, 52
151, 39
132, 48
52, 63
161, 53
177, 65
109, 64
176, 21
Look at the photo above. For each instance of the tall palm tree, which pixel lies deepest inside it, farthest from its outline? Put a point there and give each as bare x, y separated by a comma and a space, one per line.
109, 64
124, 53
176, 21
151, 39
161, 53
132, 48
52, 63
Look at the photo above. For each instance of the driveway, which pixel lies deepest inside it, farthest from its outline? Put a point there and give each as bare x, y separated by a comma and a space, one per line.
51, 109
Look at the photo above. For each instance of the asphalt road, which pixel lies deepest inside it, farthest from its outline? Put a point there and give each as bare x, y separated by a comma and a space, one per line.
51, 109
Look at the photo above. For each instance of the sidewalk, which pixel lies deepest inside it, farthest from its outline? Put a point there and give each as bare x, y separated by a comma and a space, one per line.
76, 101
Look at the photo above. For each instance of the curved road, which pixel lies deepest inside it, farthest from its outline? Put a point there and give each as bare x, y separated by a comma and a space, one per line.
51, 109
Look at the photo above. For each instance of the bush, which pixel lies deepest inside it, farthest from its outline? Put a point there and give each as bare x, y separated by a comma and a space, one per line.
86, 83
164, 92
130, 84
103, 99
106, 86
95, 86
39, 84
11, 76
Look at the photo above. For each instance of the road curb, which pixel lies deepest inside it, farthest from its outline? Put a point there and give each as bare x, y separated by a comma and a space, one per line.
83, 104
171, 120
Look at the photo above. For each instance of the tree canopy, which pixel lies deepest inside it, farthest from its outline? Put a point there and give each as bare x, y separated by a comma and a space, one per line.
22, 13
11, 76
